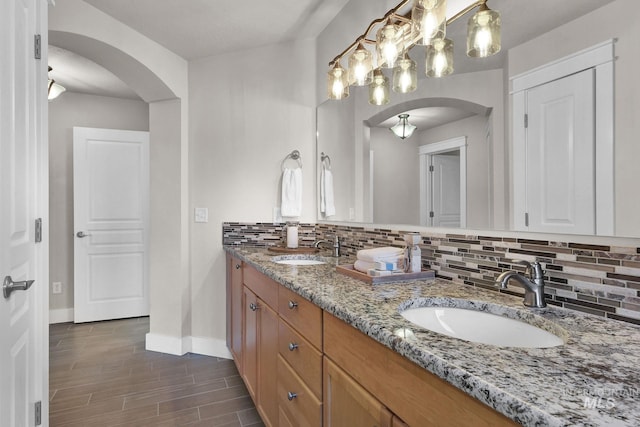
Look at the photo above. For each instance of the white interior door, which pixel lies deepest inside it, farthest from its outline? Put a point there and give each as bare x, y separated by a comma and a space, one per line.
560, 156
23, 346
446, 189
111, 204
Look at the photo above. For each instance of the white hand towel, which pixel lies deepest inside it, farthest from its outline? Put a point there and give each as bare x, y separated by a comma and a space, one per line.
291, 192
363, 266
384, 253
327, 205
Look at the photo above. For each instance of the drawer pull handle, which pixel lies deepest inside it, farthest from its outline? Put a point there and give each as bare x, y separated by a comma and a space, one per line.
253, 307
292, 305
292, 346
237, 266
291, 395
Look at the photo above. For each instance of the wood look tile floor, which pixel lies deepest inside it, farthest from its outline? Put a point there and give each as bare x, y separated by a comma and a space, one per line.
101, 375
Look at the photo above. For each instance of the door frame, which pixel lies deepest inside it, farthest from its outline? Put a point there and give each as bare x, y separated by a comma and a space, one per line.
600, 57
426, 152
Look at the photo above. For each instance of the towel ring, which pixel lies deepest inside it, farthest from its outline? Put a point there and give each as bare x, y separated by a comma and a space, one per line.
294, 155
325, 160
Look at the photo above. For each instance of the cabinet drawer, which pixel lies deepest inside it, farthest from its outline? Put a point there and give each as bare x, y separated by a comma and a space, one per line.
296, 400
265, 288
304, 316
305, 360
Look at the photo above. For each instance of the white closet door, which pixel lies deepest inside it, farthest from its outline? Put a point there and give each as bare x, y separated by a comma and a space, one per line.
111, 204
560, 147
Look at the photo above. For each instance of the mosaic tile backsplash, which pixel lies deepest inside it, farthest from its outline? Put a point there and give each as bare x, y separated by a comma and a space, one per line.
596, 279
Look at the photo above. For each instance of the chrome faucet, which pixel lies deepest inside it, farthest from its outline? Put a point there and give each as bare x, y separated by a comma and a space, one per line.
334, 245
532, 280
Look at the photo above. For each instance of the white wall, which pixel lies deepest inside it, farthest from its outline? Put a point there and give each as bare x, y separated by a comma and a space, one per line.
396, 187
69, 110
248, 110
616, 20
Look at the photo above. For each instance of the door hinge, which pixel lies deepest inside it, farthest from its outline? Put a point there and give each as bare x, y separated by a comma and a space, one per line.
431, 168
431, 215
37, 46
526, 219
526, 121
38, 232
38, 412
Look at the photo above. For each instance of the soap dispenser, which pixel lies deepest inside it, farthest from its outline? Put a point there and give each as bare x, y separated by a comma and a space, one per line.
413, 257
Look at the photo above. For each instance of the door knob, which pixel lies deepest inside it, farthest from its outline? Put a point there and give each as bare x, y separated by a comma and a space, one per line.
82, 234
8, 286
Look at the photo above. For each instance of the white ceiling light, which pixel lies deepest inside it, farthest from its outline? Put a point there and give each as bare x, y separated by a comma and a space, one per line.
403, 129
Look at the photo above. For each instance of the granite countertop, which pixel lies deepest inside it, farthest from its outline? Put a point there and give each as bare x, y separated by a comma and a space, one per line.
592, 380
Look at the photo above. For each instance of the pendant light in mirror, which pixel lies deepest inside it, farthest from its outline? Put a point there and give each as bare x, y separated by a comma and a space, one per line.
429, 19
405, 75
360, 66
439, 58
379, 89
337, 83
389, 44
483, 33
403, 129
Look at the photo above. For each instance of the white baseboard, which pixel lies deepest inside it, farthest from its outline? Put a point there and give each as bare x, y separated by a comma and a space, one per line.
179, 346
62, 315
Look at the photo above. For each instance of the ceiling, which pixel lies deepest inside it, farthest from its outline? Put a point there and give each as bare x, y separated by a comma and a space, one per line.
200, 28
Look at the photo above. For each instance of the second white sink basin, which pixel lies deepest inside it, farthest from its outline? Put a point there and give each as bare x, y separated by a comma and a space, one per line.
297, 260
481, 327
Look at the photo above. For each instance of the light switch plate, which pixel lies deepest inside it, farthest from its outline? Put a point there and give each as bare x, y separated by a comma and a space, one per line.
201, 215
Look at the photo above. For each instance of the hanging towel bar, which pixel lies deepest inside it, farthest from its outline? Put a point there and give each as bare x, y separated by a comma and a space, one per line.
326, 160
294, 155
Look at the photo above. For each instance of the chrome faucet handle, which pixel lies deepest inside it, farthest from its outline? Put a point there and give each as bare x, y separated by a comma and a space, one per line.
531, 269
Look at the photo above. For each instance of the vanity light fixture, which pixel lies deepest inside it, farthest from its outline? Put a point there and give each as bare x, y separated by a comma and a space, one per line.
360, 66
405, 75
379, 89
54, 89
439, 58
399, 30
403, 129
337, 83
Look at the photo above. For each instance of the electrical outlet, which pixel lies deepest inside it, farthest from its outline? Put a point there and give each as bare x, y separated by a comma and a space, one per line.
57, 287
201, 215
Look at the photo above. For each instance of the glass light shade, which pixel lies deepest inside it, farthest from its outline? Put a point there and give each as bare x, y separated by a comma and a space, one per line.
389, 44
439, 60
360, 67
379, 89
429, 19
483, 34
403, 129
54, 90
337, 84
405, 75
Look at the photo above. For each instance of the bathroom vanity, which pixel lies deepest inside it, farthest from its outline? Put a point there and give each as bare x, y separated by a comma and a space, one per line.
316, 347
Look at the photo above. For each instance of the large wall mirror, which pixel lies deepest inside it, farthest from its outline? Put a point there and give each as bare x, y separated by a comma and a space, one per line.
457, 169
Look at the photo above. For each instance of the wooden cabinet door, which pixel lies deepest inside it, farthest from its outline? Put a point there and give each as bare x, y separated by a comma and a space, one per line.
235, 313
250, 342
348, 404
267, 364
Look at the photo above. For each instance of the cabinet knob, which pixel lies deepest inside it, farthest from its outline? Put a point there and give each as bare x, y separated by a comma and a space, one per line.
292, 346
237, 266
253, 307
292, 305
291, 395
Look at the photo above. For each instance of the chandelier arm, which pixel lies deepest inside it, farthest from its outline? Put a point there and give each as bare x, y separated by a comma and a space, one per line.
390, 13
479, 3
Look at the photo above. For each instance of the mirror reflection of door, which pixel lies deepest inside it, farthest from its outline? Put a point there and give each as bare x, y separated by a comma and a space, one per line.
443, 183
445, 189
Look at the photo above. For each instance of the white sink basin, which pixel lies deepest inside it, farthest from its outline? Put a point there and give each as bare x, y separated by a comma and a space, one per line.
481, 327
297, 260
